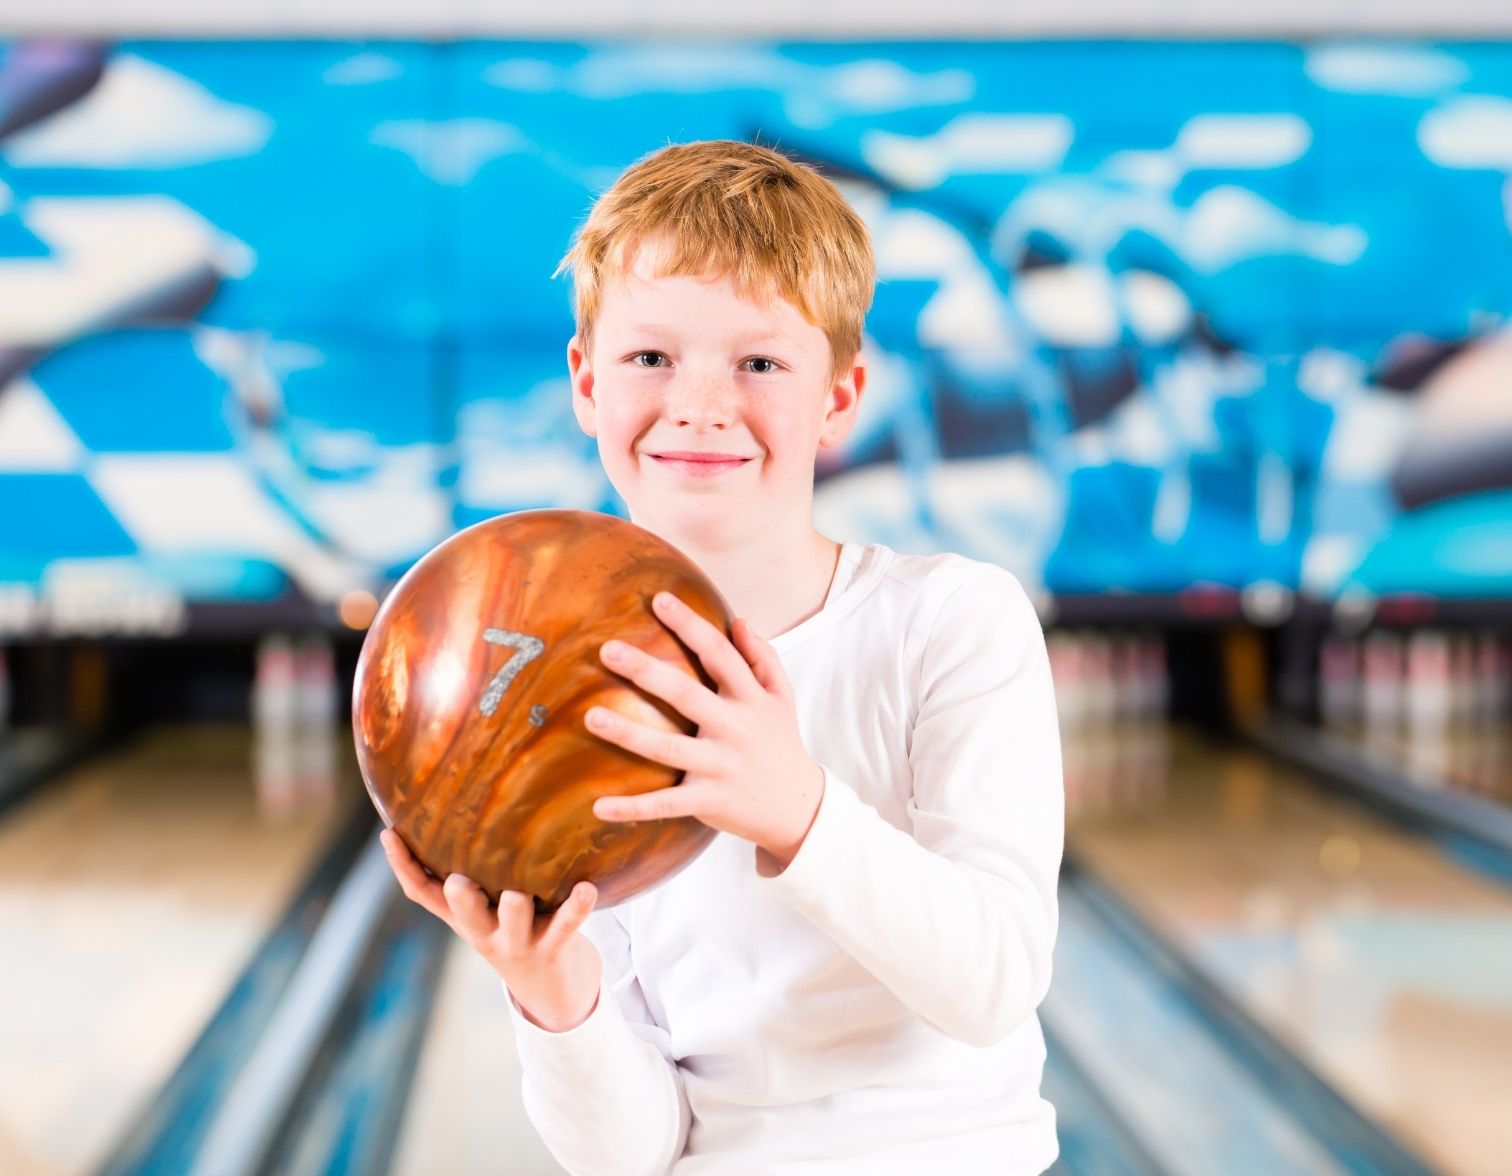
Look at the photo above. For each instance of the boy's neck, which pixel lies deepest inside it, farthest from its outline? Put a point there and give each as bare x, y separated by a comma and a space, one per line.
775, 582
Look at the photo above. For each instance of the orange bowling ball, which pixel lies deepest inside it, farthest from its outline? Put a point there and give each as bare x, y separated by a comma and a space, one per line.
470, 695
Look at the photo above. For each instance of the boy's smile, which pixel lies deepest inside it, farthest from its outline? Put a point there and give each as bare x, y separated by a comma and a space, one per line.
708, 405
695, 464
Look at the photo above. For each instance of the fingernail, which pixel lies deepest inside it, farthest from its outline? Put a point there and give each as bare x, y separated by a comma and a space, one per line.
598, 720
614, 651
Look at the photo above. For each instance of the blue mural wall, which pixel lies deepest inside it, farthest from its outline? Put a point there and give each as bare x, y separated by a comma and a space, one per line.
277, 317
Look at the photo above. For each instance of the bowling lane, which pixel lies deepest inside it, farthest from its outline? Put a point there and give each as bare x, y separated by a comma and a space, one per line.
464, 1113
1371, 954
1476, 760
132, 892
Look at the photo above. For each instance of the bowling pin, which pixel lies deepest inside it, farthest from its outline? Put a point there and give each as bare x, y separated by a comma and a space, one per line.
275, 710
1097, 680
1123, 654
1461, 680
1338, 681
275, 699
1066, 674
315, 683
1492, 674
315, 751
1154, 677
1430, 693
1381, 670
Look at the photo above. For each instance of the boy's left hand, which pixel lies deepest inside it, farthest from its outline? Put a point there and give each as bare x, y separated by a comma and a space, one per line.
747, 771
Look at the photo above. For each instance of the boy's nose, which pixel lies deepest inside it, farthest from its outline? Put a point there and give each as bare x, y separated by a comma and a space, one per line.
703, 400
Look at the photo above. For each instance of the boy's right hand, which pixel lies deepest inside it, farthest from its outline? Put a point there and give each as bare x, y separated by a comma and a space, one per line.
551, 969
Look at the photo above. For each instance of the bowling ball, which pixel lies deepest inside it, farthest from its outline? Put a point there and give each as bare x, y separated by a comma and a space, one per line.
470, 695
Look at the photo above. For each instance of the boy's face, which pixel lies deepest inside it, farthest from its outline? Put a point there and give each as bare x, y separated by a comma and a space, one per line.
687, 366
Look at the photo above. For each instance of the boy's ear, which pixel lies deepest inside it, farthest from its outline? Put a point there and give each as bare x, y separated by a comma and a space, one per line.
580, 370
844, 403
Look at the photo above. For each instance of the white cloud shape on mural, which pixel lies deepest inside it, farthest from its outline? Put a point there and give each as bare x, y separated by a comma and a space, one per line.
1158, 308
1229, 224
911, 243
879, 85
141, 115
362, 69
1224, 225
1242, 140
1230, 141
966, 312
1154, 169
452, 151
1383, 69
813, 95
1069, 305
972, 143
1469, 132
524, 73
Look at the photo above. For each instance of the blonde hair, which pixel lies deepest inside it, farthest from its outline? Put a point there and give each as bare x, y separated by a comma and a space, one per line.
738, 210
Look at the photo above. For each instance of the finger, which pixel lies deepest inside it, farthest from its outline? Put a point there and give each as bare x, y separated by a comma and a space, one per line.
689, 696
718, 657
570, 916
760, 656
469, 906
681, 800
671, 748
516, 922
418, 886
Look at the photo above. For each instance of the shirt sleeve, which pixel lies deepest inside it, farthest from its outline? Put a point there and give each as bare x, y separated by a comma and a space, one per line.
606, 1095
957, 916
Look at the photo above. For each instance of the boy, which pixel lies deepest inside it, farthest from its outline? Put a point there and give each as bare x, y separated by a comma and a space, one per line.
846, 982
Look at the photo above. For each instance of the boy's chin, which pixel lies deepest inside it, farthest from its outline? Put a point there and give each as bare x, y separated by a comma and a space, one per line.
698, 518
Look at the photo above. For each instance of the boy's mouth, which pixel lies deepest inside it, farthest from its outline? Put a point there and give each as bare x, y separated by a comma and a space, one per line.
699, 465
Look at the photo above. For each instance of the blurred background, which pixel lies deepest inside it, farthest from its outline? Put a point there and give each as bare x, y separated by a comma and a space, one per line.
1196, 322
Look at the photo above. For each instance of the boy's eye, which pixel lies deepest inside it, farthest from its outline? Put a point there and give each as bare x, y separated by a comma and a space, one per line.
649, 359
761, 365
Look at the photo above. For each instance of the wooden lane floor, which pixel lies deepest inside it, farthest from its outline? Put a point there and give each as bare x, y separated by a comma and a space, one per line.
1371, 954
132, 893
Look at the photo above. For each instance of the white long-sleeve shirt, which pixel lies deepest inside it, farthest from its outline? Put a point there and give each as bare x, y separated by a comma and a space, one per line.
870, 1009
